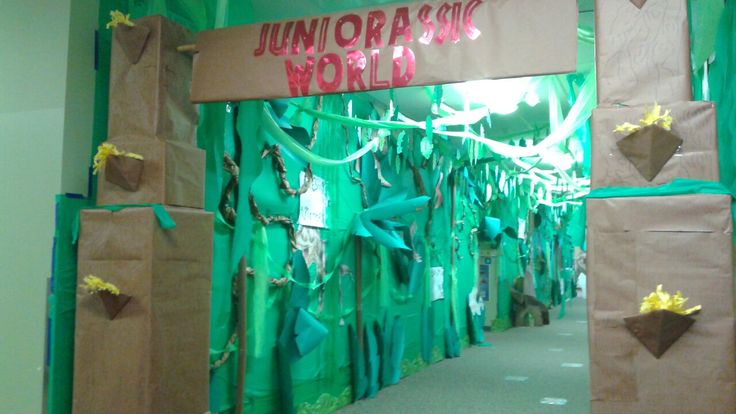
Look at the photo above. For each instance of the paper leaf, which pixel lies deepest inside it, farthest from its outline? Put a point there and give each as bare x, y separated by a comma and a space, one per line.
372, 362
300, 294
491, 227
400, 142
426, 147
375, 221
357, 365
398, 338
308, 332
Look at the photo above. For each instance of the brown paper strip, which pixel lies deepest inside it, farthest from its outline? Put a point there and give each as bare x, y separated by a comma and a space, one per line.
649, 149
659, 329
113, 303
133, 40
530, 37
124, 171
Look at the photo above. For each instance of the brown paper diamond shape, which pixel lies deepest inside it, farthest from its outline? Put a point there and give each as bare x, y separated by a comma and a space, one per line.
133, 40
658, 330
124, 171
649, 149
113, 303
638, 3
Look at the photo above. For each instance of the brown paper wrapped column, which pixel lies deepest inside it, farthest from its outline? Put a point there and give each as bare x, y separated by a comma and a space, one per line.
697, 157
173, 174
153, 358
642, 53
150, 96
634, 244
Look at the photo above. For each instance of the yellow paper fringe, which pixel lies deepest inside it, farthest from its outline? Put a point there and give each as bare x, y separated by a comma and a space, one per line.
663, 300
651, 117
117, 17
106, 150
94, 284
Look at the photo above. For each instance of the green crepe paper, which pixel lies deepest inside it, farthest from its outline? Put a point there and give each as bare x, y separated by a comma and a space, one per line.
723, 93
286, 388
383, 342
452, 342
408, 267
491, 227
416, 269
475, 326
678, 186
164, 219
259, 262
427, 334
270, 126
704, 18
248, 126
372, 361
309, 332
300, 294
62, 305
357, 365
301, 333
577, 116
398, 345
374, 221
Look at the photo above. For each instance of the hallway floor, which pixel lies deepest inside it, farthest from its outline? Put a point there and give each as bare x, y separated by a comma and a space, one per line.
525, 370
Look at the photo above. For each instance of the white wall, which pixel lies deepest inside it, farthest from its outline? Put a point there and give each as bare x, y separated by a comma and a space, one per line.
46, 98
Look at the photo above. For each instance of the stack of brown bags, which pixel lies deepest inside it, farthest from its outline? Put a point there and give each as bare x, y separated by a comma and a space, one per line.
153, 355
636, 243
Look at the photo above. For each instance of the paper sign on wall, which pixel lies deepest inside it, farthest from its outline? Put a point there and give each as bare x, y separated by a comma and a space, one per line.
386, 46
437, 276
313, 203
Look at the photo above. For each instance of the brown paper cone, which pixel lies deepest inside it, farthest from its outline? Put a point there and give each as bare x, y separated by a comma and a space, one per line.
124, 171
659, 329
133, 40
113, 303
649, 149
638, 3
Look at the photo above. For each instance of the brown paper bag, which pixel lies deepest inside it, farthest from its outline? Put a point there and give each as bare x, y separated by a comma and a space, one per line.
694, 123
173, 174
124, 172
153, 358
642, 55
150, 97
684, 243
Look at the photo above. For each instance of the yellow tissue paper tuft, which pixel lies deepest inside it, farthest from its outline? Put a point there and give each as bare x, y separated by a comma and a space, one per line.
663, 300
106, 150
652, 116
117, 17
94, 284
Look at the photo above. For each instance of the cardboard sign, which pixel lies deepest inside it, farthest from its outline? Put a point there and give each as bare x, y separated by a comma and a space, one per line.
387, 46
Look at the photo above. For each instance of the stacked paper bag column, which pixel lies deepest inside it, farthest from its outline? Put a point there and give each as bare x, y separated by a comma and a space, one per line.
151, 115
152, 356
683, 242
